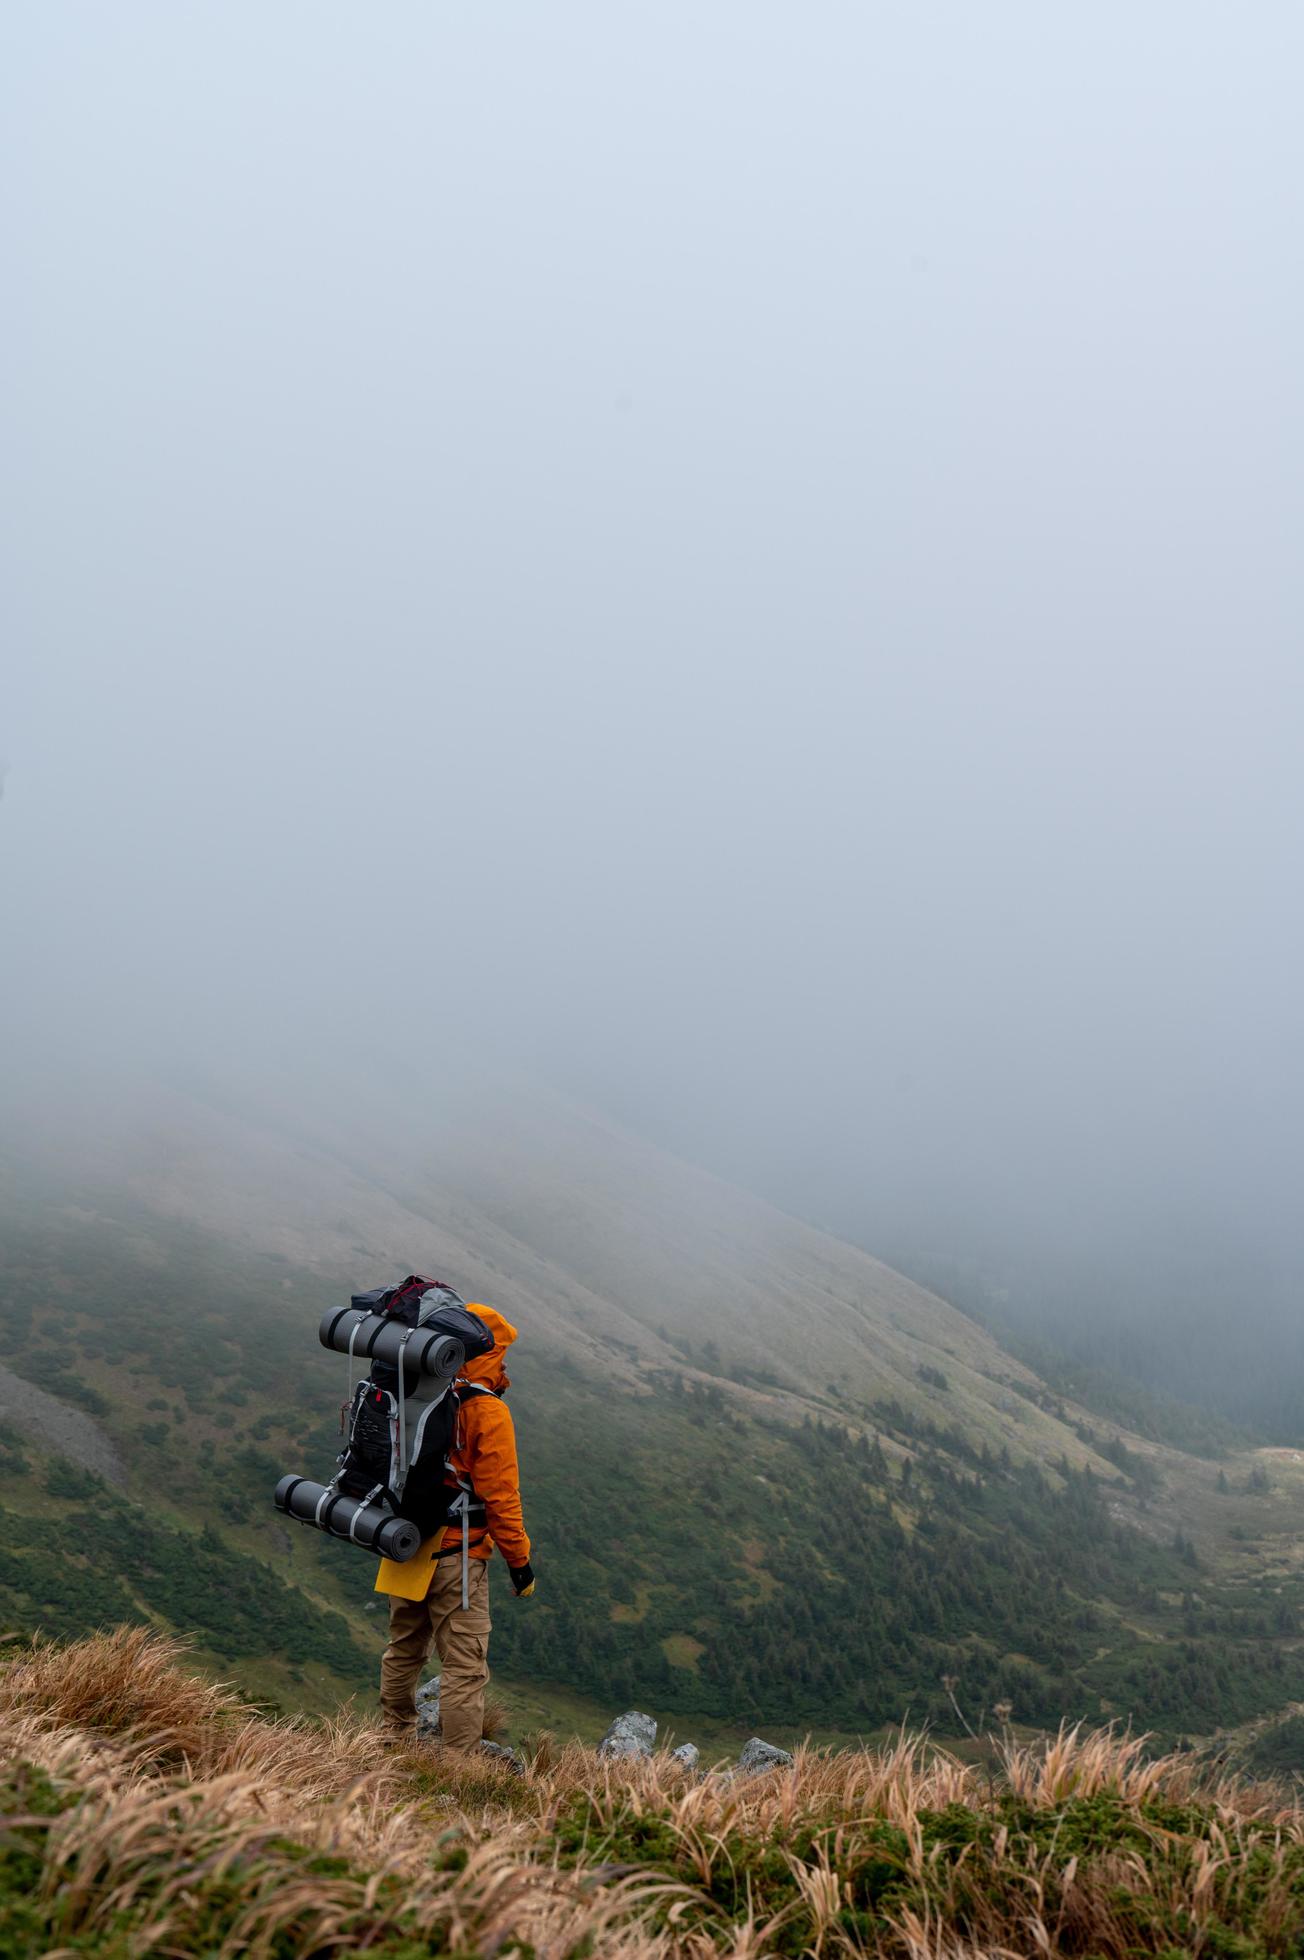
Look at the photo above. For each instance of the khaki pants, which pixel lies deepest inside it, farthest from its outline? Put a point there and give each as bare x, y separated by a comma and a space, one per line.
460, 1639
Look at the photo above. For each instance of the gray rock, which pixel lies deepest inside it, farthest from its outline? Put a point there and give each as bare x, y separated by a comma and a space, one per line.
758, 1755
630, 1734
428, 1707
688, 1755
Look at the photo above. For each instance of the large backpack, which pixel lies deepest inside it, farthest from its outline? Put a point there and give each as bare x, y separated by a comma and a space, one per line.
401, 1426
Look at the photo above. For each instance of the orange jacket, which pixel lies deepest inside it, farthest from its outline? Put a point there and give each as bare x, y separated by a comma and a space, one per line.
485, 1451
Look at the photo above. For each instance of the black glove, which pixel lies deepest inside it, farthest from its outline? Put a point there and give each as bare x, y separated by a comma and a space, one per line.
522, 1577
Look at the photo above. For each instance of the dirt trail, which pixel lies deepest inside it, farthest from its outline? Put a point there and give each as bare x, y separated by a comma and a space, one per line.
58, 1426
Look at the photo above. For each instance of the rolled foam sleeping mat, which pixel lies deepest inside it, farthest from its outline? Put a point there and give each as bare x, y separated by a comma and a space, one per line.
424, 1350
369, 1525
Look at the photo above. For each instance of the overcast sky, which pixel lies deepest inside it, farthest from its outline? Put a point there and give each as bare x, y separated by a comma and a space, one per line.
744, 557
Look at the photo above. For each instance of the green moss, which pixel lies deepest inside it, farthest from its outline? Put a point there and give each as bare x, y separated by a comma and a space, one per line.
973, 1874
974, 1867
25, 1793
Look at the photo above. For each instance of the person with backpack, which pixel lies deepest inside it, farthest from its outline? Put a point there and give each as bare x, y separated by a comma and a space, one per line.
440, 1599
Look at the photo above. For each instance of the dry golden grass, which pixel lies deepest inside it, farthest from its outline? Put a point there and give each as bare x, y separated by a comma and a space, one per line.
151, 1812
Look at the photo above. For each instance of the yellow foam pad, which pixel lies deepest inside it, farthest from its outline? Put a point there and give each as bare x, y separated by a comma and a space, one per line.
411, 1579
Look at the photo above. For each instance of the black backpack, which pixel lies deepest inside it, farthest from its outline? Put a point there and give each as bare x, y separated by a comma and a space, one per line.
401, 1431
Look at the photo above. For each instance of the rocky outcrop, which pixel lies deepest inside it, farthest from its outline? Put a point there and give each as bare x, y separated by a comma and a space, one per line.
55, 1425
757, 1755
631, 1738
630, 1735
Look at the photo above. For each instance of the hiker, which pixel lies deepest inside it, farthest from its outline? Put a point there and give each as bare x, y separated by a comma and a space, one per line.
452, 1610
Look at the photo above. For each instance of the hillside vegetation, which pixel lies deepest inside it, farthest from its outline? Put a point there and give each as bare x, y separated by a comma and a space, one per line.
147, 1811
927, 1533
625, 1261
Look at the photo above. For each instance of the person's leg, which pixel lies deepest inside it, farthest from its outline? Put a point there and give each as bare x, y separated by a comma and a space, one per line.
462, 1640
410, 1639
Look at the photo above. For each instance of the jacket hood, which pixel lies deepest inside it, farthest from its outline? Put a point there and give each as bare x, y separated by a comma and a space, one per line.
488, 1368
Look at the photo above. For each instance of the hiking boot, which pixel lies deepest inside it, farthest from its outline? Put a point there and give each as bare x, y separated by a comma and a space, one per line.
507, 1757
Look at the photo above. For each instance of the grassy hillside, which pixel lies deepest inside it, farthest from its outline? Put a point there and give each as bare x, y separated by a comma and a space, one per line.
145, 1811
931, 1531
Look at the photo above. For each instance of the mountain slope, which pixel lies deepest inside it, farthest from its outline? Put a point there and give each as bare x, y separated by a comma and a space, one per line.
600, 1246
769, 1478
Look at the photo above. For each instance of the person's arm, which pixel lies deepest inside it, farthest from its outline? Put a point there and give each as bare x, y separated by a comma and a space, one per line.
497, 1479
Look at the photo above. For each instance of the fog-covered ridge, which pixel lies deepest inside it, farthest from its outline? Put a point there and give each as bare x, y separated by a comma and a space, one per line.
738, 564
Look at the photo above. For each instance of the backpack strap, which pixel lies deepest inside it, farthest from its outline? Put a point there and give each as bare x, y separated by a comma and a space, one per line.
463, 1391
473, 1505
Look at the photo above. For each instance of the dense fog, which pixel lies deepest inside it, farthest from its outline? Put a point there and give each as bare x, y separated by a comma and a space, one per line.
741, 561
